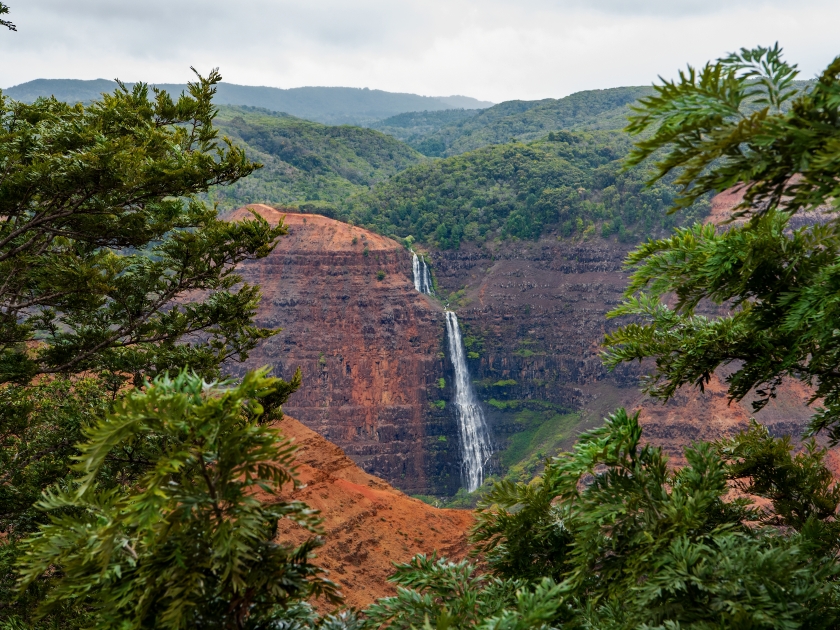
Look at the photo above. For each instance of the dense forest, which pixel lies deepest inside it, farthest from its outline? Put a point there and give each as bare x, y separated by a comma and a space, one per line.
529, 120
571, 183
305, 161
414, 127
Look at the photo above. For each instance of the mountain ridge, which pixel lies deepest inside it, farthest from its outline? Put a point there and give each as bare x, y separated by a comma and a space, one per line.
330, 105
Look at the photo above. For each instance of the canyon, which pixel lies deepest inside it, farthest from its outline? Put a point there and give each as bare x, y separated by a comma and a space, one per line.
378, 377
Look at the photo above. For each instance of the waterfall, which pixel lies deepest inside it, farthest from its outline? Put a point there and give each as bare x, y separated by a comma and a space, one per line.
422, 277
415, 267
475, 438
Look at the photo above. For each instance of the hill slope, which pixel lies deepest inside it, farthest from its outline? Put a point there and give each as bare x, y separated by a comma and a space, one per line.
334, 105
369, 524
572, 184
529, 120
414, 127
307, 161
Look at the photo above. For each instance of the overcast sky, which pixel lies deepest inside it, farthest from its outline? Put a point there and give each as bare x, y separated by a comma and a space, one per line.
490, 49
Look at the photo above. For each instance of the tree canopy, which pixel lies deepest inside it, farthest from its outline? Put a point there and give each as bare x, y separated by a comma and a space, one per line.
610, 537
112, 275
778, 280
4, 10
569, 182
108, 261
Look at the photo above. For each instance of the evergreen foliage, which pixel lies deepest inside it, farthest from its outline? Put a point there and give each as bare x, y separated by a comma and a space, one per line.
162, 526
113, 271
4, 10
610, 537
102, 239
781, 282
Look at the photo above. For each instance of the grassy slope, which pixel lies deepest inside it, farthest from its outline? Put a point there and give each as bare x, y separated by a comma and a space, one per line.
305, 161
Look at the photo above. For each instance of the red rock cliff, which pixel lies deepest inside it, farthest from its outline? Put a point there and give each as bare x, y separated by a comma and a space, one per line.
367, 343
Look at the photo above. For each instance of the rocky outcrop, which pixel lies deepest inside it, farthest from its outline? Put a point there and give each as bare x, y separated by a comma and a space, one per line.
693, 415
368, 524
370, 348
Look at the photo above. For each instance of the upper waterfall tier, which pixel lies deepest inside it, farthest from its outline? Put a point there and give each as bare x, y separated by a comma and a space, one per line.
422, 277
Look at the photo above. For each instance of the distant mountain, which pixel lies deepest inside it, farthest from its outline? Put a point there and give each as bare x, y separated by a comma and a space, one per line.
443, 134
306, 163
528, 120
330, 105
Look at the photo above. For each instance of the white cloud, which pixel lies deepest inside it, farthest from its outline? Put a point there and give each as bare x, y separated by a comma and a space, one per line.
493, 49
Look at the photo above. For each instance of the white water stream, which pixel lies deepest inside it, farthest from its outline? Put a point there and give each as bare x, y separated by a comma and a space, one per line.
475, 438
422, 277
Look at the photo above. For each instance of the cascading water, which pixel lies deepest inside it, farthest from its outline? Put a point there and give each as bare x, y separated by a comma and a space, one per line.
475, 438
422, 277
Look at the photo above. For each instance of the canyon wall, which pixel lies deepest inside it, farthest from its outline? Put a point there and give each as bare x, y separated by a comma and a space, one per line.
538, 310
370, 348
377, 379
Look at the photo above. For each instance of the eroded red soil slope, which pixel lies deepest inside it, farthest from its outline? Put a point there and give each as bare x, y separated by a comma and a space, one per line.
369, 524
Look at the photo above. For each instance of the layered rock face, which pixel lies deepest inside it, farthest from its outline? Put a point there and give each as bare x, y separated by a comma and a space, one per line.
377, 380
369, 346
539, 309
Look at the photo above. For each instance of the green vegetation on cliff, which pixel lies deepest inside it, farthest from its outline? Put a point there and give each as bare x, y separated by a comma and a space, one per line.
571, 184
305, 161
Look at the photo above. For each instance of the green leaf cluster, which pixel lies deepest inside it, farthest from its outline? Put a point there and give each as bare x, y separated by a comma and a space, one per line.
775, 271
609, 536
108, 261
171, 519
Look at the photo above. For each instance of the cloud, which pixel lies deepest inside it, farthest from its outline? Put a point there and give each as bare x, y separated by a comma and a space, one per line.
493, 49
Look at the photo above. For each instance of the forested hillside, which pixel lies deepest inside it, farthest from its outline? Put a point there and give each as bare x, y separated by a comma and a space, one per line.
306, 161
529, 120
414, 127
572, 183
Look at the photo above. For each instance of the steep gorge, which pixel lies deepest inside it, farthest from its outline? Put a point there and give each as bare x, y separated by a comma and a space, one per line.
378, 377
370, 348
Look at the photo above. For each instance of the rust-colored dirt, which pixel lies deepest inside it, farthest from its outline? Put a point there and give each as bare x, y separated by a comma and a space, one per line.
692, 416
369, 524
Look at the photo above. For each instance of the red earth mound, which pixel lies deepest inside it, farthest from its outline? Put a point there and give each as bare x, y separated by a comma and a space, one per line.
369, 524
